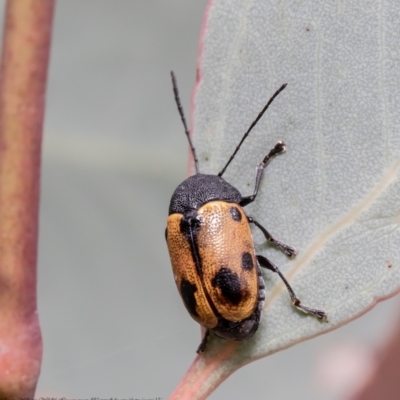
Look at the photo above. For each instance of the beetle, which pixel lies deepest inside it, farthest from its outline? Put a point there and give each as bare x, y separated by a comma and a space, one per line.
209, 239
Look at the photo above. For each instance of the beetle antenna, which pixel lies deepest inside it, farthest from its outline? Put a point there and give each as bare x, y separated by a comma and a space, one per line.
180, 109
252, 126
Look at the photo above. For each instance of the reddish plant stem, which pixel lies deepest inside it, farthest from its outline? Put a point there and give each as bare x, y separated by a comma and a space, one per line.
206, 373
23, 74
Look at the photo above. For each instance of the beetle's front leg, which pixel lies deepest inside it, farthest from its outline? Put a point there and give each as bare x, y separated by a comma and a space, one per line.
279, 148
287, 249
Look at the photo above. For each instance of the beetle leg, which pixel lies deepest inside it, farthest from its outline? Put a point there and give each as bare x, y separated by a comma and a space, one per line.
279, 148
203, 343
265, 263
290, 251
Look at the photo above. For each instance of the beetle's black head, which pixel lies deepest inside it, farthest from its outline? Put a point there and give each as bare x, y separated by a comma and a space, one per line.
198, 190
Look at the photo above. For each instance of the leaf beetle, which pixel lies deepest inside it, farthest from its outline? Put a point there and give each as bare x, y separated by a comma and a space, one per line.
211, 248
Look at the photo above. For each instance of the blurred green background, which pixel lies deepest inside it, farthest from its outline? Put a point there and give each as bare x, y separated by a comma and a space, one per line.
114, 150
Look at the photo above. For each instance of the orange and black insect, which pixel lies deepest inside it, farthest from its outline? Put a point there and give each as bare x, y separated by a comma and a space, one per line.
211, 248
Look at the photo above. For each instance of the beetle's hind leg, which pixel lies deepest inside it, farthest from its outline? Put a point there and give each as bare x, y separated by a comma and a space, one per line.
203, 343
287, 249
320, 314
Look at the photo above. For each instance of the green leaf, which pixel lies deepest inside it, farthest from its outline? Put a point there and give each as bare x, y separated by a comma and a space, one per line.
335, 193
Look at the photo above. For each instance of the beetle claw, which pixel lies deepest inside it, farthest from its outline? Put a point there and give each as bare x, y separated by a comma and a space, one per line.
203, 343
290, 251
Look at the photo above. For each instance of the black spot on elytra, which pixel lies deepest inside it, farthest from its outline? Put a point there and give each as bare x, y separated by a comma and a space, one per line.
229, 284
187, 292
166, 234
235, 213
247, 261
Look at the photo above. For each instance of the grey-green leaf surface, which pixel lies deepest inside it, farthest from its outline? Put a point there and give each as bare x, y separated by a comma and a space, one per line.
335, 193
